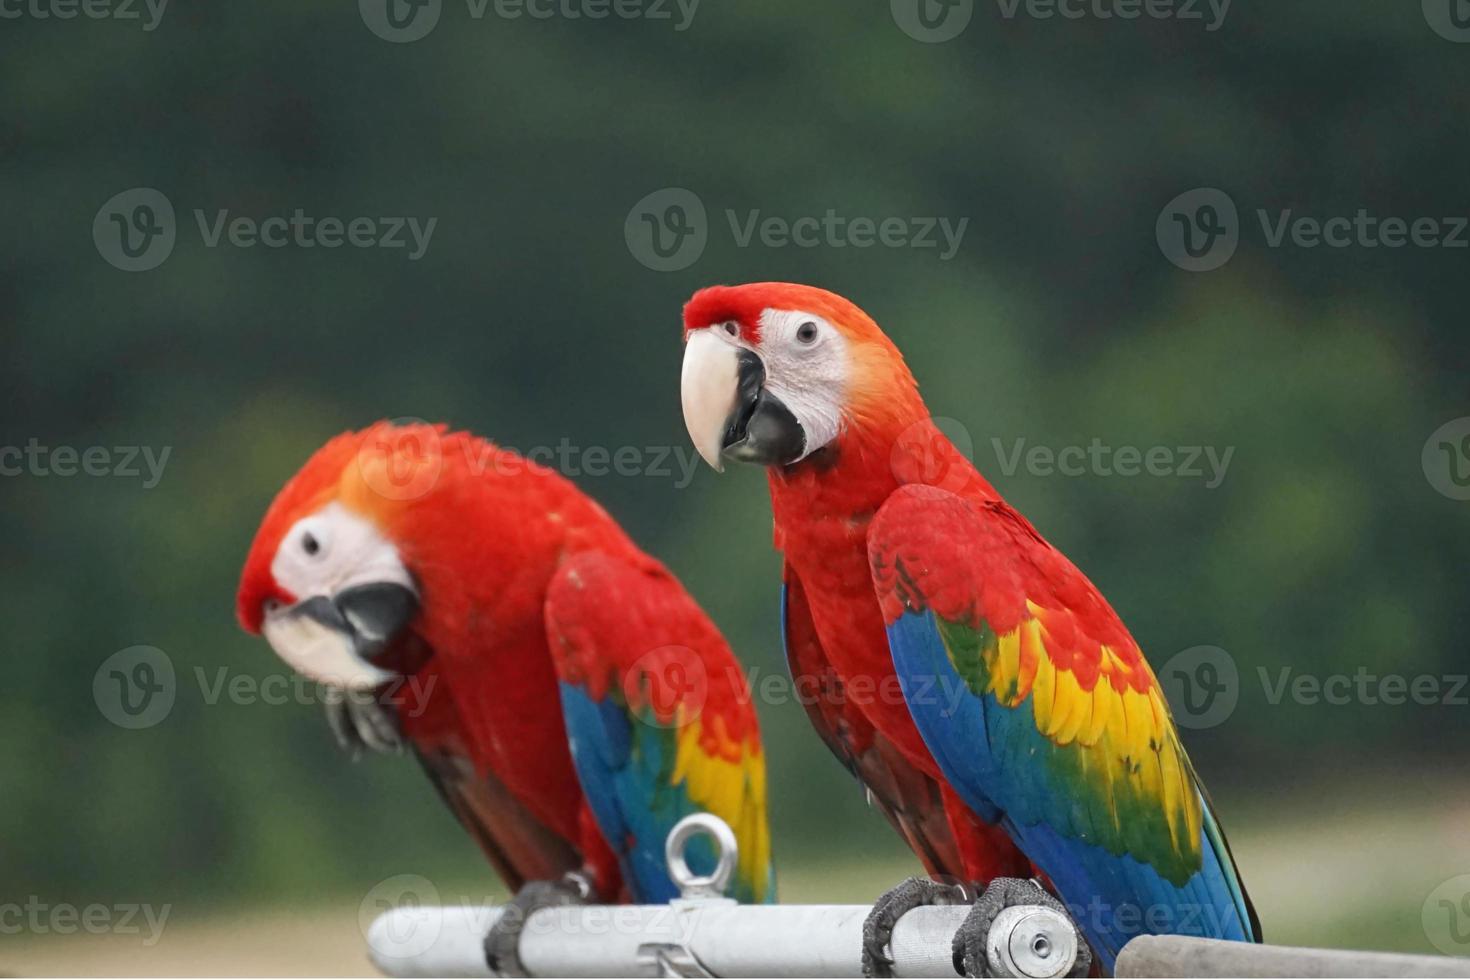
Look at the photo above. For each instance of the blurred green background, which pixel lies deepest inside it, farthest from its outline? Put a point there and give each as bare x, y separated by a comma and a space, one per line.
1326, 548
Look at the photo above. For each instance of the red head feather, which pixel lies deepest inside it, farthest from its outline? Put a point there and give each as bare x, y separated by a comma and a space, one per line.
378, 473
745, 304
425, 488
308, 491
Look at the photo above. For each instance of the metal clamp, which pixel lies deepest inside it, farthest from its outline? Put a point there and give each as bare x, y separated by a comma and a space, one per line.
670, 960
727, 850
1031, 941
677, 959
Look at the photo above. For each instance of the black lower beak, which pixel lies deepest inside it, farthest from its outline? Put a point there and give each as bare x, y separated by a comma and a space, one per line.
372, 614
762, 429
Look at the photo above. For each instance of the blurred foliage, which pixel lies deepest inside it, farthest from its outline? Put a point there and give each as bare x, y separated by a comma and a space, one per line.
1325, 548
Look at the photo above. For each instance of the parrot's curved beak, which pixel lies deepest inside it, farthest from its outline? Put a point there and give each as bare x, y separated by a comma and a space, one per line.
728, 409
333, 640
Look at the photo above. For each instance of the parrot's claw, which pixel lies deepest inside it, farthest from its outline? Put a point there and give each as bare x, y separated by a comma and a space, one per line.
503, 941
970, 959
892, 906
359, 721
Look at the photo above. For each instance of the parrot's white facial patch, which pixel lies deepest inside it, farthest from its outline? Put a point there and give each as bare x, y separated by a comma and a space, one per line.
804, 369
332, 550
806, 361
321, 556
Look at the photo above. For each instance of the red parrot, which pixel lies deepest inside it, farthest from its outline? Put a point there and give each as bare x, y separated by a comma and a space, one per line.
980, 686
565, 695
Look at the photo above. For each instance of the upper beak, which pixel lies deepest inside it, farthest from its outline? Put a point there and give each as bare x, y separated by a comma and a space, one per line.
707, 388
332, 640
728, 409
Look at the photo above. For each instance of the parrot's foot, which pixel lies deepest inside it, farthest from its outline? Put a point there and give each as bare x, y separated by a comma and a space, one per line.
970, 941
503, 942
358, 720
892, 906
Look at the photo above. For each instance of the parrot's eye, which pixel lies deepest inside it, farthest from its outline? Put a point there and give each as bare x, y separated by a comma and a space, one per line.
731, 328
806, 333
310, 544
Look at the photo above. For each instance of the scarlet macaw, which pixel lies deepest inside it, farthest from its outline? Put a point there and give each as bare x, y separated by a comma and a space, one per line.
1021, 695
566, 696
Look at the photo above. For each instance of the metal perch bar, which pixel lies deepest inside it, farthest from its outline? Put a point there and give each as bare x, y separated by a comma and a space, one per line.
703, 935
801, 941
653, 940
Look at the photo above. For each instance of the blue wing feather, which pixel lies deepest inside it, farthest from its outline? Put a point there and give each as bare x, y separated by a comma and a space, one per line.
624, 770
996, 759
